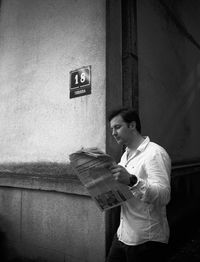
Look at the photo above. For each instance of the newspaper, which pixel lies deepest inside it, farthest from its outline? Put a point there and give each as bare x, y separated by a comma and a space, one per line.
91, 165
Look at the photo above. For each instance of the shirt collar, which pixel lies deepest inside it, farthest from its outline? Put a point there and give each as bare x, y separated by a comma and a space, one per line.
143, 145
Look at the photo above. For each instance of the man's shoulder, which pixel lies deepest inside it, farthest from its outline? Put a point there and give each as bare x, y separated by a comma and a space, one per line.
156, 148
154, 145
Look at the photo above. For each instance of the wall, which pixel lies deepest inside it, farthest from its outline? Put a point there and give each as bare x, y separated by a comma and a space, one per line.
169, 96
40, 43
45, 226
46, 213
169, 61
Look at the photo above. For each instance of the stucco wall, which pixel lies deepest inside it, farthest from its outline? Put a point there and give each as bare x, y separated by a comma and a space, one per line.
169, 63
46, 226
46, 215
40, 43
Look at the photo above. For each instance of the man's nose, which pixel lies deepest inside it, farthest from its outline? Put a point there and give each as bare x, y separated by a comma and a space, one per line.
114, 132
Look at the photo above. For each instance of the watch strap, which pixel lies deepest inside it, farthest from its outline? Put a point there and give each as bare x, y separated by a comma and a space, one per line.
133, 180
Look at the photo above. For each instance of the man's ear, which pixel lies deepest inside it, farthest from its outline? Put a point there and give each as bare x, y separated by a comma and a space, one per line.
132, 125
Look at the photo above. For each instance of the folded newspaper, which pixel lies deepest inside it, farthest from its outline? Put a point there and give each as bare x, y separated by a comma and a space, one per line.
91, 165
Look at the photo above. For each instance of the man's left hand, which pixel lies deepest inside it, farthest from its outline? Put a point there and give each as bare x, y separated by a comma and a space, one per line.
120, 174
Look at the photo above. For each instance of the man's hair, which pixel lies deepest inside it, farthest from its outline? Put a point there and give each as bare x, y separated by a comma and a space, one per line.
128, 115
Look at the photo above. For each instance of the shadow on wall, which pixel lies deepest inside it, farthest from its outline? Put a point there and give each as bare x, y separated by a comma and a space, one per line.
6, 251
7, 255
3, 246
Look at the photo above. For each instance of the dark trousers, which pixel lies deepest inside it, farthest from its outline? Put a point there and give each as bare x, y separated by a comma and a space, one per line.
149, 251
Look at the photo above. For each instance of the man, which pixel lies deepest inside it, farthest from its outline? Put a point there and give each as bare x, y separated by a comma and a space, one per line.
145, 168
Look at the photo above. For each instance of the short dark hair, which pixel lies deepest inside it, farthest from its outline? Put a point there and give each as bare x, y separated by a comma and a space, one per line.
128, 115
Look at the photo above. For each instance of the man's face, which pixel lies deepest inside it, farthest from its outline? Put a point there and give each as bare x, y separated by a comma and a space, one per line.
121, 131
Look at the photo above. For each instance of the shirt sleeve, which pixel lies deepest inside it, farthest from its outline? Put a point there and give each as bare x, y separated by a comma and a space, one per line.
155, 188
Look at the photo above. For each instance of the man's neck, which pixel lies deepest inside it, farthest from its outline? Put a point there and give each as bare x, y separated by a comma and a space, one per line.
136, 142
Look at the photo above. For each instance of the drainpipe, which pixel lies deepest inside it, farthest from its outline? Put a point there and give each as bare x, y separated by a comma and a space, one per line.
129, 54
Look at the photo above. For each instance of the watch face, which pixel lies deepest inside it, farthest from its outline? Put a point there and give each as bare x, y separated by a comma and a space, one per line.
133, 180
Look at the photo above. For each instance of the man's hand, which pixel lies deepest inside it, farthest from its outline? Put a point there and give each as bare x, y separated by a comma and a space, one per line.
120, 174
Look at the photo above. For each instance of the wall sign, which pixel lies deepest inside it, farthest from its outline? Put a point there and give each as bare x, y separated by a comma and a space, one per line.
80, 82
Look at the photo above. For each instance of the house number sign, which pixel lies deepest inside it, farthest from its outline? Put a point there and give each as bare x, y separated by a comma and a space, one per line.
80, 82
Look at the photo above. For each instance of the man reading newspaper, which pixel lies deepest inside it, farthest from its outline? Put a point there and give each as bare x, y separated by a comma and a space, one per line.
145, 167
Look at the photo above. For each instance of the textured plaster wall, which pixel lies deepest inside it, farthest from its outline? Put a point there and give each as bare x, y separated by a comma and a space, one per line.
169, 76
43, 226
40, 43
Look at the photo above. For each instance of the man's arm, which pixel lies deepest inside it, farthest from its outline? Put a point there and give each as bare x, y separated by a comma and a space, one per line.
156, 186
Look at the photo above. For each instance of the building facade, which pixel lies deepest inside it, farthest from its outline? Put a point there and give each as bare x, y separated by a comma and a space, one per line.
65, 64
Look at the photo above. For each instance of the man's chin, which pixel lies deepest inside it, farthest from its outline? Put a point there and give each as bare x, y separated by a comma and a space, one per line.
119, 141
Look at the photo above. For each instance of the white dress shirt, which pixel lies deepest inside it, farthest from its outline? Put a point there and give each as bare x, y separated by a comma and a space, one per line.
143, 217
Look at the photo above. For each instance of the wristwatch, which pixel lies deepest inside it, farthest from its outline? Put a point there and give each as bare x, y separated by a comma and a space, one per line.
133, 180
